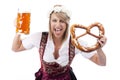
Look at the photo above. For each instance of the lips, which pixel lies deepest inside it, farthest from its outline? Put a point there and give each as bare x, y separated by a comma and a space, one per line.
58, 31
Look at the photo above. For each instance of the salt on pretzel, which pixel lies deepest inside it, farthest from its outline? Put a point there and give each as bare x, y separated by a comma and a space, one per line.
74, 38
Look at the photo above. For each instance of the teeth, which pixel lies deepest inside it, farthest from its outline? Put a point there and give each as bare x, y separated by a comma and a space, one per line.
57, 29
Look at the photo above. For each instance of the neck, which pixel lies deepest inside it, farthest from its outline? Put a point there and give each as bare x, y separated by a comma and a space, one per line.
58, 40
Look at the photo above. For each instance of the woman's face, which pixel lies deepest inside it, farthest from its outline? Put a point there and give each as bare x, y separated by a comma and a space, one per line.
58, 26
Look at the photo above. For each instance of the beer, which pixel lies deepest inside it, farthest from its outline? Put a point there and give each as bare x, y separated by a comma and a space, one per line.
23, 22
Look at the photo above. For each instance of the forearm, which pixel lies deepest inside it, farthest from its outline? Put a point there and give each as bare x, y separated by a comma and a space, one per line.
16, 43
101, 57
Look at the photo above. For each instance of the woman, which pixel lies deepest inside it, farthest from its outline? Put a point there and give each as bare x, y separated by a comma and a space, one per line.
55, 48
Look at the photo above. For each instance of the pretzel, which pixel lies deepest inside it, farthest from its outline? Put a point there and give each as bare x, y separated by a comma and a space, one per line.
74, 38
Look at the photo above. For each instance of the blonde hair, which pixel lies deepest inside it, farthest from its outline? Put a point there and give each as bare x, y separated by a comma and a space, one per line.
63, 16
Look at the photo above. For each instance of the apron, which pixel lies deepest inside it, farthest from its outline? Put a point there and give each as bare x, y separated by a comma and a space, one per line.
53, 70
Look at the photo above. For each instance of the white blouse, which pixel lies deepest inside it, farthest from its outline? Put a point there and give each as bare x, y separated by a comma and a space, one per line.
34, 41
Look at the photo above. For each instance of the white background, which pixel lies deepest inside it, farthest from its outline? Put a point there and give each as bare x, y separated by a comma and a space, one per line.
23, 65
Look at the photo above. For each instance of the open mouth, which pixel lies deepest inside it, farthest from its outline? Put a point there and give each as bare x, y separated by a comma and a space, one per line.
57, 30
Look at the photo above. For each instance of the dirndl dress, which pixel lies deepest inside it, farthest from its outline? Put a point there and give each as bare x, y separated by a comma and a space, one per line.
53, 70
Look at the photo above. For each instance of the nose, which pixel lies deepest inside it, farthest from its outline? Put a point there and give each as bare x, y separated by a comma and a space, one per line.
58, 23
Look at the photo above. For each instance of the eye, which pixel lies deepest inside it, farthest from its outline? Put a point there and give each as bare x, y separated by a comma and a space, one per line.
54, 20
62, 21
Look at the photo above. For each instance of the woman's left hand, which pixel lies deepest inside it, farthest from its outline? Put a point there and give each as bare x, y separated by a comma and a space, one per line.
102, 41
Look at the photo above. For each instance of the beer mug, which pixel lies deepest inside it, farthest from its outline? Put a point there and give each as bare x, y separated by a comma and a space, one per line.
23, 21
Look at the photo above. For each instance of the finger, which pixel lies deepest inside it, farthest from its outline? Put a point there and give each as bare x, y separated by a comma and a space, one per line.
101, 43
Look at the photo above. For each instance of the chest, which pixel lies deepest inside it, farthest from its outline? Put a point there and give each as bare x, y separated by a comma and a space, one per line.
50, 53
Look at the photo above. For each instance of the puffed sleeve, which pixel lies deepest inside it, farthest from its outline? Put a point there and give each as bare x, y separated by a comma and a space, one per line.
32, 40
85, 54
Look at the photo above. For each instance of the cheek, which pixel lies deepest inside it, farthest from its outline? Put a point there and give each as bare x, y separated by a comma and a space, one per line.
52, 25
51, 28
65, 27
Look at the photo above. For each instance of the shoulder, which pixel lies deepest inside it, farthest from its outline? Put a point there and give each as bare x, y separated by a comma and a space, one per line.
33, 37
37, 35
44, 33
